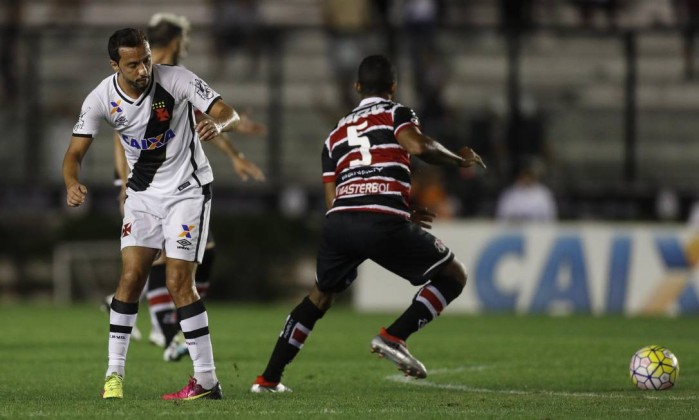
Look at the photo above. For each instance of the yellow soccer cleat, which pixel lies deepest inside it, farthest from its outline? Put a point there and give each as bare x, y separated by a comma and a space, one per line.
113, 386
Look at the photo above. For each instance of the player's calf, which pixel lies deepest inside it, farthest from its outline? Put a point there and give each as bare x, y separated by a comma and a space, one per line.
430, 301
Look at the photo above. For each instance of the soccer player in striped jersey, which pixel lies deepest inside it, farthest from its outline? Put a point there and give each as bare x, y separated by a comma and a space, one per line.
168, 193
366, 173
168, 35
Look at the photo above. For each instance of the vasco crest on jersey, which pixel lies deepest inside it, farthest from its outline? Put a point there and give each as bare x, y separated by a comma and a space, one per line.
160, 111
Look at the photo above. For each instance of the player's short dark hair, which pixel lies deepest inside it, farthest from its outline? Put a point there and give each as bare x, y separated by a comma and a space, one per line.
376, 75
127, 37
163, 33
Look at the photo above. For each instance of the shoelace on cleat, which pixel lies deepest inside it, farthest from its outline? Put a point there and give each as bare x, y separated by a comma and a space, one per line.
112, 383
190, 386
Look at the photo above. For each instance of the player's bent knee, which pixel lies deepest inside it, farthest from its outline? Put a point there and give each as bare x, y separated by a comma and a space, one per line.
322, 300
178, 282
132, 278
454, 272
130, 285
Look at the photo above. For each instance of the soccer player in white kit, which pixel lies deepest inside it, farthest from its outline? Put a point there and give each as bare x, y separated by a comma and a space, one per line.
168, 195
168, 36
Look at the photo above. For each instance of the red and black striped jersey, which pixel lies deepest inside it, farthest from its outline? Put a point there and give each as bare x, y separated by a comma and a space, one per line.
370, 169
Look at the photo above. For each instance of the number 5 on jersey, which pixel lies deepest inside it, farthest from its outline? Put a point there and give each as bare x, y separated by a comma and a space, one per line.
354, 139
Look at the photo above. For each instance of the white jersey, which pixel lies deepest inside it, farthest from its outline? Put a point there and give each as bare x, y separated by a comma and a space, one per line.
163, 151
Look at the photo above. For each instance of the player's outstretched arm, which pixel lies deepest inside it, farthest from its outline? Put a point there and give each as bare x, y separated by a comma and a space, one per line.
246, 169
431, 151
249, 127
75, 191
243, 167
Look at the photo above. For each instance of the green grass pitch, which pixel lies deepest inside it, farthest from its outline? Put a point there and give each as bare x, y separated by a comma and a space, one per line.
492, 366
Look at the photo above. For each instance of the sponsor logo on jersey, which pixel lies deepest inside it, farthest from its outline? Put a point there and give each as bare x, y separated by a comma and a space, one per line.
126, 230
116, 112
186, 231
202, 89
360, 172
150, 143
161, 112
365, 188
116, 107
120, 121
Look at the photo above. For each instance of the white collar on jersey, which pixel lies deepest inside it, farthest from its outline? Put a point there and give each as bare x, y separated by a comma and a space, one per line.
371, 100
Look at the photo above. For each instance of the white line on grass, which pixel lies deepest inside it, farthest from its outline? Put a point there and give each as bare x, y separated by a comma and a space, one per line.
465, 388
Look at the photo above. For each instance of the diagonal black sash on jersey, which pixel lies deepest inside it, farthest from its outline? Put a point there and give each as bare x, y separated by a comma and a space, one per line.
150, 160
192, 146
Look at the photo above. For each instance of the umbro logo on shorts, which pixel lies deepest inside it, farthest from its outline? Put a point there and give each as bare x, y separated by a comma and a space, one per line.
184, 242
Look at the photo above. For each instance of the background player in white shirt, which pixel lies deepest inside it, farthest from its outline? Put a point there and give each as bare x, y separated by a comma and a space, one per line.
527, 199
168, 195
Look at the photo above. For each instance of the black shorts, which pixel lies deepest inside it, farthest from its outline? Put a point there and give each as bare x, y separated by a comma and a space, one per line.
394, 243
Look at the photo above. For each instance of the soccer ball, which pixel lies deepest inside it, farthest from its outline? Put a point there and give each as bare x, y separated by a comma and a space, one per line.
654, 367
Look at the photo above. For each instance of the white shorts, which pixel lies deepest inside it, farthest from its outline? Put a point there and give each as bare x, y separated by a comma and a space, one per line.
177, 223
